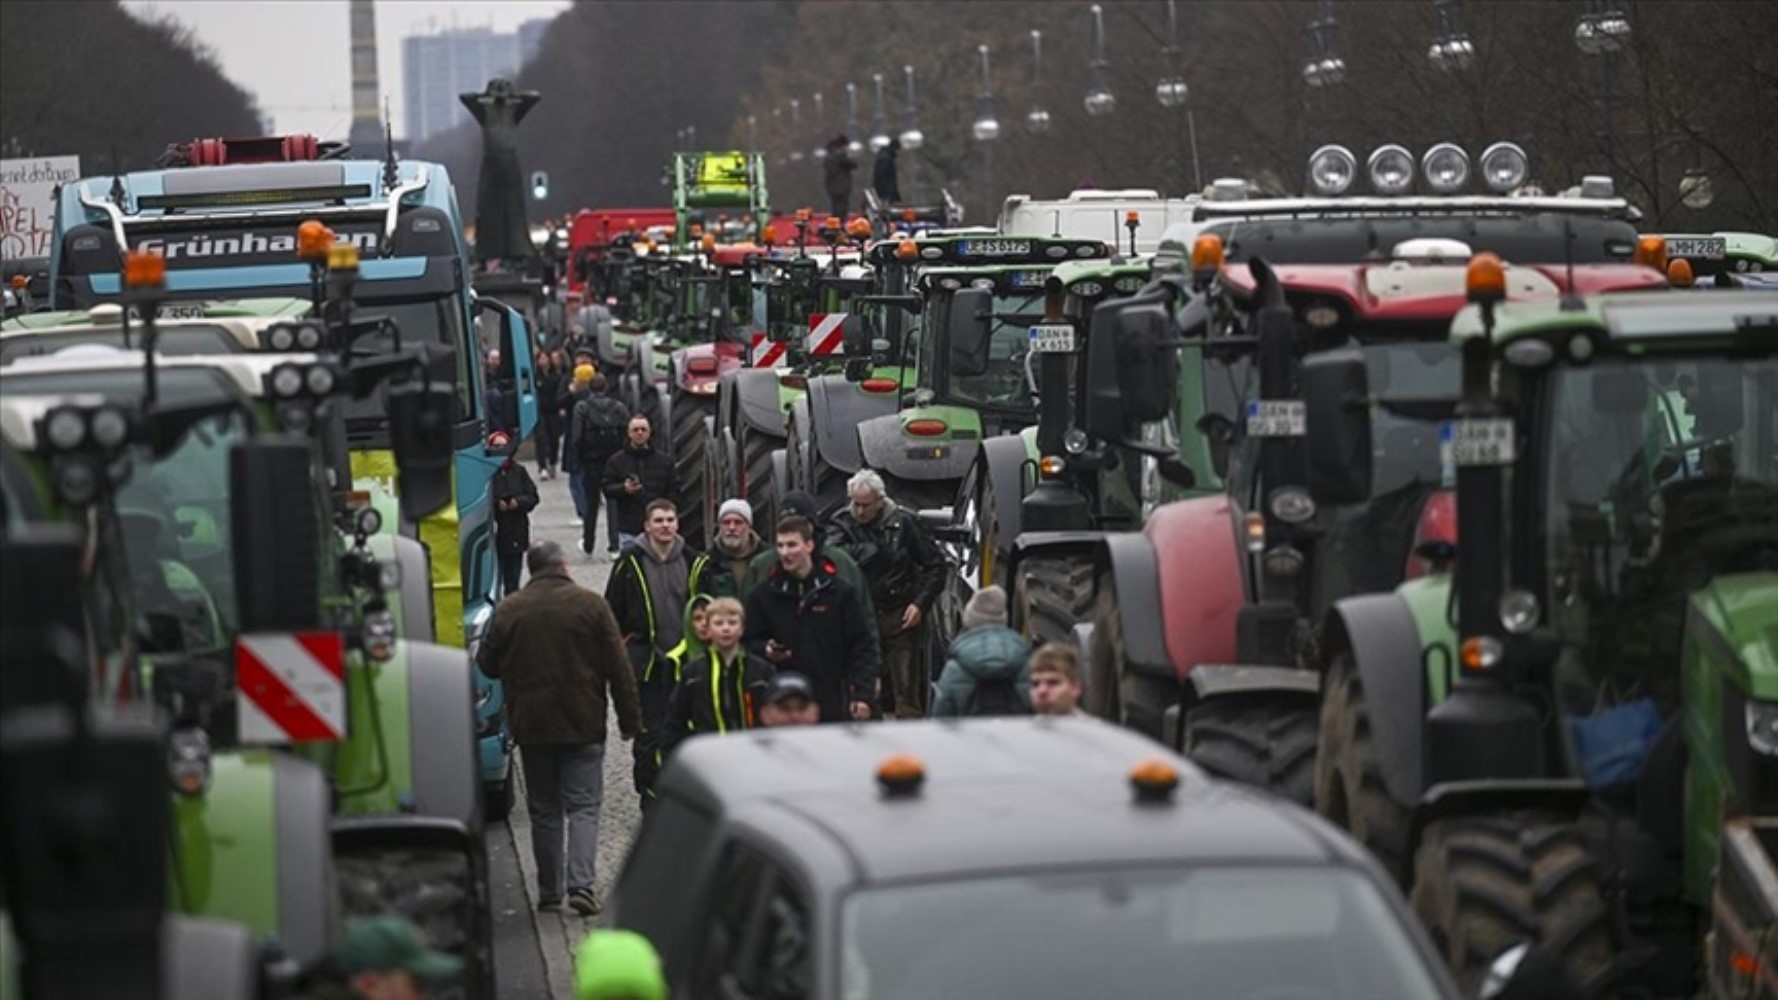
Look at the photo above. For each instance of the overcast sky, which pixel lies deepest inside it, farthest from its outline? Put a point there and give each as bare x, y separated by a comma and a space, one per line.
294, 55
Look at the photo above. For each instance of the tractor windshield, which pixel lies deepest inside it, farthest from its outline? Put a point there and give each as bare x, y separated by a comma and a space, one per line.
1005, 384
434, 321
1659, 474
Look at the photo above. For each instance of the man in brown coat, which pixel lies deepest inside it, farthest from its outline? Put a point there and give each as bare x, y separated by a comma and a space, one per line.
556, 646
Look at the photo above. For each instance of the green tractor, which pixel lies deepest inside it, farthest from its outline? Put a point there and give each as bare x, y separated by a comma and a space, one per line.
405, 819
1545, 743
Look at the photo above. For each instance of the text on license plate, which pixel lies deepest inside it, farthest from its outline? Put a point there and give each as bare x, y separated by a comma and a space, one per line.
1277, 418
1476, 442
1698, 247
1052, 338
173, 310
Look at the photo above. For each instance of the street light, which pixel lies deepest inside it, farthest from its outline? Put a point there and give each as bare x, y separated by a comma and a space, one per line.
820, 152
1324, 68
853, 145
1601, 31
1100, 101
1452, 51
879, 126
796, 130
985, 129
911, 136
1171, 91
753, 131
1037, 119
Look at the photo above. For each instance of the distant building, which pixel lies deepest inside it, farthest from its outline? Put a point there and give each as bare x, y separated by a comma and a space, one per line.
436, 68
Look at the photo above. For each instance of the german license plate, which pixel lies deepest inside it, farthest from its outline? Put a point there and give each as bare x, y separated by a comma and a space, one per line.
994, 248
1697, 247
1052, 338
1476, 442
172, 310
1277, 418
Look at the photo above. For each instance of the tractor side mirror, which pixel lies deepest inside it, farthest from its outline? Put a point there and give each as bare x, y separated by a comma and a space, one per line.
276, 535
1336, 394
1132, 367
420, 426
1175, 471
966, 330
855, 336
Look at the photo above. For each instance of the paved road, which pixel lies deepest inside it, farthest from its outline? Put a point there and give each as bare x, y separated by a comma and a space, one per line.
532, 949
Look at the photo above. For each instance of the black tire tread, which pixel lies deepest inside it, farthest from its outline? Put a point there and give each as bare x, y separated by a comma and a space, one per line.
762, 485
1349, 787
1484, 884
1054, 594
1265, 742
690, 441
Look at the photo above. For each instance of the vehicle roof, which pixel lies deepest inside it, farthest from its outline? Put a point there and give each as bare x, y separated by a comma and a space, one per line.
999, 795
1747, 319
1407, 290
232, 179
248, 371
109, 315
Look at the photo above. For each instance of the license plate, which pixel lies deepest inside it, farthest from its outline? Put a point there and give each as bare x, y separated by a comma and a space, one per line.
1277, 418
1053, 338
1476, 442
1698, 247
172, 310
994, 248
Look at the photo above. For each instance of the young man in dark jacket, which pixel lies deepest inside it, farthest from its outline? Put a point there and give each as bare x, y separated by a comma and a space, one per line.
805, 618
515, 497
802, 504
558, 650
636, 477
599, 427
906, 571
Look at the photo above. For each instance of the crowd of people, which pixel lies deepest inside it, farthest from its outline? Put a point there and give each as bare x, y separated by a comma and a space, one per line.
823, 623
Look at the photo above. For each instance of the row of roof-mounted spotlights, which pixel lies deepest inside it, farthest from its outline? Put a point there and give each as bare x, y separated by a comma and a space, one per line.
1444, 168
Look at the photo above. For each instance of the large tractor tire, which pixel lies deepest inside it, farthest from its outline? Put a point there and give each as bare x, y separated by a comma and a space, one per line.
1483, 884
762, 485
691, 438
1349, 788
1265, 741
1055, 594
1111, 689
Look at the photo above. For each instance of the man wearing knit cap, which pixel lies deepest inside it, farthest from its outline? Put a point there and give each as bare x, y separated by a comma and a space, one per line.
735, 547
801, 503
985, 667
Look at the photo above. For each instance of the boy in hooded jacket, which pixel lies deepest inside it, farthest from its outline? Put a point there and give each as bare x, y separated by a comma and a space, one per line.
985, 653
715, 693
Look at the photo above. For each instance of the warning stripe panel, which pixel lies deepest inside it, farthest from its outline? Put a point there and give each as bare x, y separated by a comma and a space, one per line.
292, 687
826, 332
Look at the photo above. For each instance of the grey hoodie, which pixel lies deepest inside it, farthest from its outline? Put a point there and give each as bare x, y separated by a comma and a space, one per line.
669, 581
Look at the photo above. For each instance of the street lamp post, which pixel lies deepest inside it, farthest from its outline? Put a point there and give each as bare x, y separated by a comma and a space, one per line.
820, 151
854, 145
1037, 119
1452, 51
796, 130
1602, 31
986, 128
911, 136
879, 125
1100, 101
1172, 92
1324, 68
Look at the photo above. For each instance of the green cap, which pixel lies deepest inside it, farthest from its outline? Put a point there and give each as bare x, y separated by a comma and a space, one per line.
609, 965
391, 943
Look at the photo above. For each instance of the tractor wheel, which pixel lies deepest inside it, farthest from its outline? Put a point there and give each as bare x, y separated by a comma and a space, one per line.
989, 533
1267, 742
1349, 787
690, 440
1485, 883
437, 890
1053, 594
1112, 690
762, 486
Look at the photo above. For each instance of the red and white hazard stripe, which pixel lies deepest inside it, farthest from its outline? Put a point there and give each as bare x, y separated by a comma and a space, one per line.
766, 353
292, 687
825, 333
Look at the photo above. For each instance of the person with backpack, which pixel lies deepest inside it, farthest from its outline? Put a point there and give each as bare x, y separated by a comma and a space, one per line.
985, 667
599, 422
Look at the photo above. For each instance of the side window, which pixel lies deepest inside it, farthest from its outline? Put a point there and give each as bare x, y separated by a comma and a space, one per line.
670, 851
781, 954
757, 945
739, 877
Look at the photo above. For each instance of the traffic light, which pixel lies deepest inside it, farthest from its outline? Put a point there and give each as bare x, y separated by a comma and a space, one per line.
539, 185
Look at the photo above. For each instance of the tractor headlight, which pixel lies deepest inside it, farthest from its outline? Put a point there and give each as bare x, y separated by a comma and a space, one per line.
110, 428
1519, 611
1391, 169
295, 417
1504, 167
1762, 727
308, 337
379, 635
281, 338
1282, 561
1332, 170
65, 429
188, 760
1292, 505
388, 575
1075, 441
287, 381
76, 481
369, 521
1446, 167
319, 380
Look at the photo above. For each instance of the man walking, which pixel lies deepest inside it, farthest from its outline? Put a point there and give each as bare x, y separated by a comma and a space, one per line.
636, 477
805, 618
801, 504
837, 175
648, 591
599, 422
557, 647
515, 497
906, 572
580, 388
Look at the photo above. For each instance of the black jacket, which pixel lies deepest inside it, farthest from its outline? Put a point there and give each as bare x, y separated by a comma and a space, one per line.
571, 398
634, 607
599, 425
883, 175
552, 385
901, 561
655, 471
823, 623
837, 171
713, 697
512, 528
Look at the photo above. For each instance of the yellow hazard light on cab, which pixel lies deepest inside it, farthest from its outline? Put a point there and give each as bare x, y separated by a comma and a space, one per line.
1154, 780
1651, 251
1679, 273
1206, 253
144, 270
901, 774
312, 240
1482, 652
343, 257
19, 281
1485, 278
804, 215
906, 250
1132, 218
